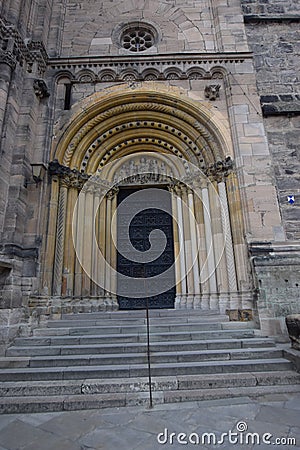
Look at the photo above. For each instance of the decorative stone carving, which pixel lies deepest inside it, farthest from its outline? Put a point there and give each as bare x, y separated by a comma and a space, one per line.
17, 51
8, 58
143, 171
206, 67
220, 169
112, 192
40, 88
195, 76
293, 326
211, 91
68, 177
38, 54
172, 76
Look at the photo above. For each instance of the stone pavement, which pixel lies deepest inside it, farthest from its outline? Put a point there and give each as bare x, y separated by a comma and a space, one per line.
137, 428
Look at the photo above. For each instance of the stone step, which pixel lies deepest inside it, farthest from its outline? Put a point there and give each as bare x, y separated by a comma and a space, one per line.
20, 405
94, 349
129, 329
90, 322
136, 337
140, 358
170, 383
139, 328
132, 314
98, 360
141, 370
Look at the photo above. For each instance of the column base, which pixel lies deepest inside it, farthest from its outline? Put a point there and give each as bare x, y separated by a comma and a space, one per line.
221, 302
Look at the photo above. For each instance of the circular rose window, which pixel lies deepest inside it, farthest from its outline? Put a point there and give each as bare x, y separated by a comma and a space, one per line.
137, 37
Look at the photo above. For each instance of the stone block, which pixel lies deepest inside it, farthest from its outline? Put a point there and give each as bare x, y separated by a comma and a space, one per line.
293, 326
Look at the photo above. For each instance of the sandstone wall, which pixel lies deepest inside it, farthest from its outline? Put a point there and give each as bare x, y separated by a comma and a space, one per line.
91, 27
273, 33
272, 28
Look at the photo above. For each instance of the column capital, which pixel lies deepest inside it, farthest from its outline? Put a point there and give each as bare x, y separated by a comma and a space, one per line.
70, 178
112, 193
220, 169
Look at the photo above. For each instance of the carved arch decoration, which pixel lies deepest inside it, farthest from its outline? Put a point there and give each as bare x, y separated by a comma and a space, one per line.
120, 124
199, 126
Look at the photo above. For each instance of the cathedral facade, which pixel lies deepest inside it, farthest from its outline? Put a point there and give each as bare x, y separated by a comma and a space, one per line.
192, 107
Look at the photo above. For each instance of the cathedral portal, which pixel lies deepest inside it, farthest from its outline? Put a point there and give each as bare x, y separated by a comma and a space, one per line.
120, 143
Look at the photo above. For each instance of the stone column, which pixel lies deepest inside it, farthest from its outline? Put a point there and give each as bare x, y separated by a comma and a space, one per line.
182, 250
209, 242
108, 243
95, 258
79, 243
230, 263
187, 248
113, 243
176, 246
203, 263
237, 227
218, 238
194, 248
60, 237
102, 241
51, 237
69, 251
87, 243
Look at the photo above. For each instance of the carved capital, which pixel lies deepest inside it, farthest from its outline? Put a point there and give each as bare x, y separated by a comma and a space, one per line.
67, 177
220, 169
112, 193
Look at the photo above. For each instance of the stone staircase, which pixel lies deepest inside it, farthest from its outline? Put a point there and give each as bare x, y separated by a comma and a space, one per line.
98, 360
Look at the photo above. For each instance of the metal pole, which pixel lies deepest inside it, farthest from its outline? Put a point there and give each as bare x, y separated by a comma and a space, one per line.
148, 353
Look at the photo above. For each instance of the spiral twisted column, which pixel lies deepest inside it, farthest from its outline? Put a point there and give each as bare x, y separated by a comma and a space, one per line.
60, 237
51, 238
209, 241
218, 240
230, 262
237, 227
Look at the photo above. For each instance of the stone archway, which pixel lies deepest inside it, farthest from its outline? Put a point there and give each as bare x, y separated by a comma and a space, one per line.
119, 127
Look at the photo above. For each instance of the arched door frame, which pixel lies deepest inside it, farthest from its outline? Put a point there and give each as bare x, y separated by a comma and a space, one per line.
111, 126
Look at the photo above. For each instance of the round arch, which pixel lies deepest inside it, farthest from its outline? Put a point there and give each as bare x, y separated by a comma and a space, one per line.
106, 123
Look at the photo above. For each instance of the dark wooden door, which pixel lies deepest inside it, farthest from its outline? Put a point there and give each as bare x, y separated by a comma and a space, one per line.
141, 225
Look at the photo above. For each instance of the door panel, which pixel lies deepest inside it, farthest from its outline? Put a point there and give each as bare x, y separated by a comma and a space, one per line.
141, 226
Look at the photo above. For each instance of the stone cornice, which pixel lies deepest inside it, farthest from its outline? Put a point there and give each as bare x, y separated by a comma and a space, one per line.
148, 67
142, 59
